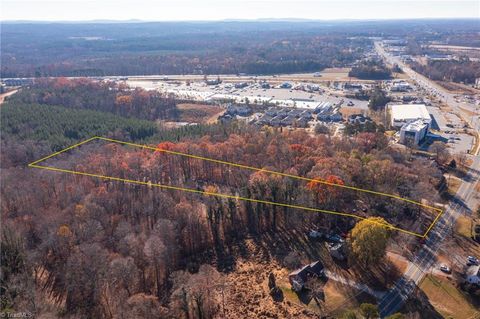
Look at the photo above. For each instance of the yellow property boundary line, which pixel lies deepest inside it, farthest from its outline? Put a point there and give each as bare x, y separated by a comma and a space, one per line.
191, 190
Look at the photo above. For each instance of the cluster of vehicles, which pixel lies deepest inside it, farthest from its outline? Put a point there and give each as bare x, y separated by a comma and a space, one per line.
471, 261
331, 237
452, 139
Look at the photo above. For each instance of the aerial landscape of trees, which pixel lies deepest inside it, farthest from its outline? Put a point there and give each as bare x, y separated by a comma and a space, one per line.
99, 248
369, 240
200, 213
461, 71
371, 70
378, 99
100, 96
167, 48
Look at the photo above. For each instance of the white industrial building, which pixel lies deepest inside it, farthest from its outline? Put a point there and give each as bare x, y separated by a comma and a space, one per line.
405, 113
414, 132
400, 86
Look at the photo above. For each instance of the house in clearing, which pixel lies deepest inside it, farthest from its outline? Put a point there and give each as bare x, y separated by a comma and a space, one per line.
299, 277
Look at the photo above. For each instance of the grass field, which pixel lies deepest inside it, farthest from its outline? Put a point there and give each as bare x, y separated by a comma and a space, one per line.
463, 226
447, 299
347, 111
457, 87
453, 185
336, 298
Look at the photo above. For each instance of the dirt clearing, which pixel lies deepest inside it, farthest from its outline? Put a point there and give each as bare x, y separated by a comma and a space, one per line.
199, 113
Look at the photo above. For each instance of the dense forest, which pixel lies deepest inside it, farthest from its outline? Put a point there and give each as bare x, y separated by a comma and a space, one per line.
89, 248
59, 126
462, 71
371, 70
256, 47
209, 53
31, 130
100, 96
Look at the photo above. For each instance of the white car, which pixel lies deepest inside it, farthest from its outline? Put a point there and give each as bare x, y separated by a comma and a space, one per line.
472, 261
445, 269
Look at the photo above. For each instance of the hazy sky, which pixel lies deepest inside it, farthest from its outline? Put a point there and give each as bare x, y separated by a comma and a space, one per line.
158, 10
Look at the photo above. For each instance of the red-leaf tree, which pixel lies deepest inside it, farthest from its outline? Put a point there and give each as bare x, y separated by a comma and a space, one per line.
324, 190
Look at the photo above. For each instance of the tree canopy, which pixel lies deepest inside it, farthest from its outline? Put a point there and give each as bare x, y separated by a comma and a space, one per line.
369, 311
378, 99
368, 240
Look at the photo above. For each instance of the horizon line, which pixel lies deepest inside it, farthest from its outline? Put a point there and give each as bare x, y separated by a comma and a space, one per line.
293, 20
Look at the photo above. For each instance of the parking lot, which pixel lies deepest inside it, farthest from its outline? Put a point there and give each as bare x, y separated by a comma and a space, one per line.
298, 95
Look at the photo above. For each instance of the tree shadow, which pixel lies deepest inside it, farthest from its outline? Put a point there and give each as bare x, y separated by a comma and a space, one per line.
304, 296
277, 294
280, 242
457, 200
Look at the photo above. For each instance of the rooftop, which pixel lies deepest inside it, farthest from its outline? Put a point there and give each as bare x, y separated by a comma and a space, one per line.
417, 125
407, 112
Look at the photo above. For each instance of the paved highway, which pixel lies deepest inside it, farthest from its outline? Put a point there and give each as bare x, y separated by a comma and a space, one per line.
434, 88
395, 298
426, 257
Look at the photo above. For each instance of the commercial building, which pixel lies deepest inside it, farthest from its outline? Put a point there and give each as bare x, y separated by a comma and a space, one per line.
241, 85
213, 81
414, 132
439, 57
285, 85
17, 82
406, 113
400, 86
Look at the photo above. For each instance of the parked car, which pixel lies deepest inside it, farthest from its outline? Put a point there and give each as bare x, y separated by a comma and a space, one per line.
445, 269
477, 228
313, 234
472, 261
334, 238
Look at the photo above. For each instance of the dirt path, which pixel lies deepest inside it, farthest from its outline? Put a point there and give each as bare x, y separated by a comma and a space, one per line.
5, 95
359, 286
213, 119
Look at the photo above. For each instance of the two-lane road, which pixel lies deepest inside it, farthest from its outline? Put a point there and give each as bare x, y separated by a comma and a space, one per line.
426, 257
